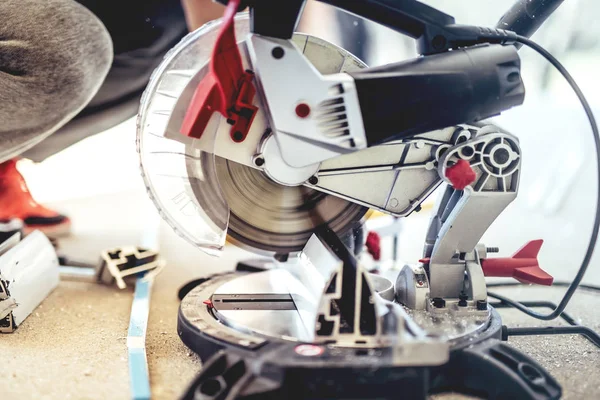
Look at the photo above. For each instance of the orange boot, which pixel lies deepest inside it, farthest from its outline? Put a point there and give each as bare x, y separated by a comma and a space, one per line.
16, 202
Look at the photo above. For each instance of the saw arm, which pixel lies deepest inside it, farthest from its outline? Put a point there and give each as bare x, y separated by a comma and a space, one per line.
315, 117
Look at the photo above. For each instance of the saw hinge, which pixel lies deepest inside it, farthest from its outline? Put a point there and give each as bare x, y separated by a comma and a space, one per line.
241, 115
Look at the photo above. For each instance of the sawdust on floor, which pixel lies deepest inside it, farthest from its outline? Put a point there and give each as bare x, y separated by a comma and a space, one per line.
74, 345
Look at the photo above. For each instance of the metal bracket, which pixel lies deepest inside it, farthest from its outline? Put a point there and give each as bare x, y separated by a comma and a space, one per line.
462, 216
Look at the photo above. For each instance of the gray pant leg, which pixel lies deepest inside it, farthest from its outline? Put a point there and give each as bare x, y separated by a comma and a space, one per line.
54, 55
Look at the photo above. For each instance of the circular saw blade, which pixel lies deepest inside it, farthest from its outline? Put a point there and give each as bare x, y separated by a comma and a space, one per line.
203, 196
267, 216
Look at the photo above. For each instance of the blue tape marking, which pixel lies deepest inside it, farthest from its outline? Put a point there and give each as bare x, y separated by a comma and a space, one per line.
139, 309
136, 341
138, 375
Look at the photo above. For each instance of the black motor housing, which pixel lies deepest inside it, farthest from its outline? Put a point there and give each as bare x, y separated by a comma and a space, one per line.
432, 92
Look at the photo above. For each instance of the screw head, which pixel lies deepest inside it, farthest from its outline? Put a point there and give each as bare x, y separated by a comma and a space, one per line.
259, 161
238, 136
468, 151
313, 180
277, 53
462, 299
501, 156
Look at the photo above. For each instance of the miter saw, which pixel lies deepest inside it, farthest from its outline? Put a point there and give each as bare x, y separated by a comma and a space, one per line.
282, 142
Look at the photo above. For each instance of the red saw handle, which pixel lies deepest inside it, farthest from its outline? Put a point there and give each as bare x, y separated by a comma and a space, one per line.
226, 89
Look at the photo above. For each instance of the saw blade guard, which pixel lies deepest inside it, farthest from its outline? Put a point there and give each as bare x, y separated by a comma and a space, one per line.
168, 158
208, 186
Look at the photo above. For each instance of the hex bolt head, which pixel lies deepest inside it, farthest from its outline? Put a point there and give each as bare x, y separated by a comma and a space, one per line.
481, 305
438, 302
462, 299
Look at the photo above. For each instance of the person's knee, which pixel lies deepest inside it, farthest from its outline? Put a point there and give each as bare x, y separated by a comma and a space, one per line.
55, 59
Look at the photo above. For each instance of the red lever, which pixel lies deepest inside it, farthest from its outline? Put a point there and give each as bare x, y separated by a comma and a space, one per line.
226, 89
460, 174
523, 265
373, 245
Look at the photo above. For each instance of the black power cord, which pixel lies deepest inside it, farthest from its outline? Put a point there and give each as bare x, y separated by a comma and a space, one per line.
508, 302
596, 227
584, 331
592, 288
575, 328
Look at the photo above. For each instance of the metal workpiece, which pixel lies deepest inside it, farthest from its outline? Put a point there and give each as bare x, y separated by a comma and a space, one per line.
28, 274
123, 264
314, 116
272, 303
326, 298
348, 312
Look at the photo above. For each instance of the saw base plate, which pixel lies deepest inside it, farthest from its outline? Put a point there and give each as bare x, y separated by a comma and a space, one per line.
267, 361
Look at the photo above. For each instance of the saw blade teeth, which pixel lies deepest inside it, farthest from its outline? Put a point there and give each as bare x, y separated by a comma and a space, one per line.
270, 217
